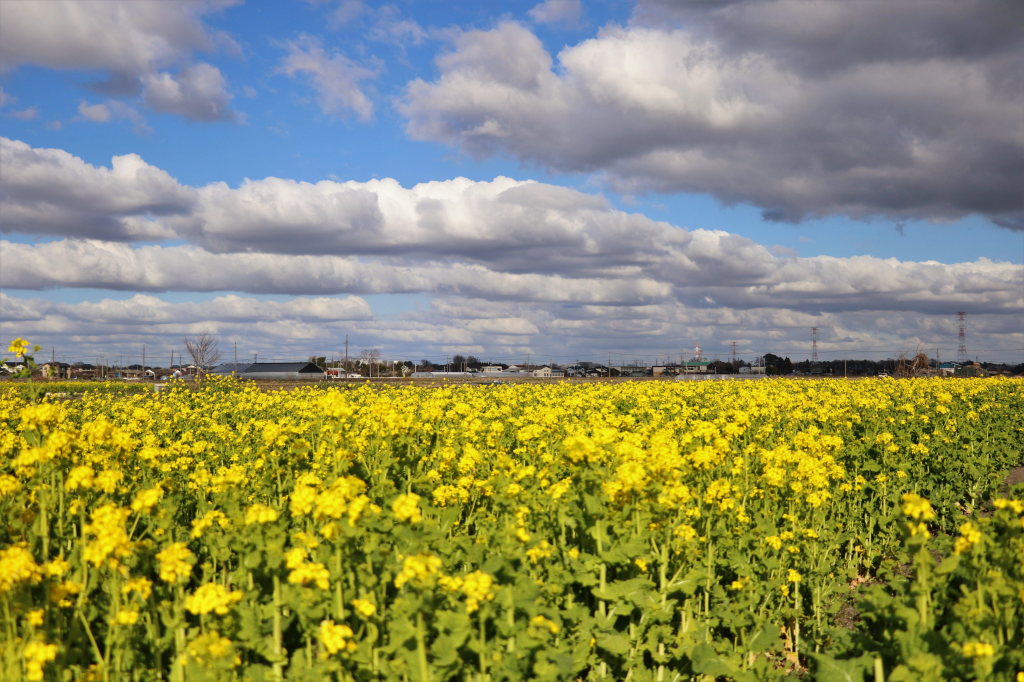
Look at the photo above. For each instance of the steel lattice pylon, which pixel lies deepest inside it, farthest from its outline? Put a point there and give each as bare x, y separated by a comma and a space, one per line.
961, 350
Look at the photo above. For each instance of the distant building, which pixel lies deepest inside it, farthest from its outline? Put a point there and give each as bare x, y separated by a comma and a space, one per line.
696, 367
56, 370
228, 368
339, 373
546, 372
282, 370
491, 369
948, 368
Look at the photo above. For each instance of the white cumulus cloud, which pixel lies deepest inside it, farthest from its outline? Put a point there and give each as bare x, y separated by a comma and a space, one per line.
132, 42
906, 119
335, 77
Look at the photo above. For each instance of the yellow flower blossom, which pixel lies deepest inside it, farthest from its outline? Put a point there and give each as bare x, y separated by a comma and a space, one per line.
541, 551
545, 624
364, 607
917, 507
212, 597
140, 586
406, 508
147, 499
127, 617
175, 563
336, 639
260, 513
420, 568
109, 538
37, 654
970, 535
978, 649
307, 573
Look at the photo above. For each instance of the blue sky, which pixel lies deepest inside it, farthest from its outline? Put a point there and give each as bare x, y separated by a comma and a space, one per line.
412, 91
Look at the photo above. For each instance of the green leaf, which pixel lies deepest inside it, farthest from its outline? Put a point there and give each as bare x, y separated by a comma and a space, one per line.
709, 662
616, 644
948, 565
689, 583
767, 638
828, 669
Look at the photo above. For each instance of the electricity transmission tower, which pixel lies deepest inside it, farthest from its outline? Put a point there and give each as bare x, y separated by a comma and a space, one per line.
814, 344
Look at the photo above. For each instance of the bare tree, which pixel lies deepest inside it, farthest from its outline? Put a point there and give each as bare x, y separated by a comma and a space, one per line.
911, 366
204, 351
370, 357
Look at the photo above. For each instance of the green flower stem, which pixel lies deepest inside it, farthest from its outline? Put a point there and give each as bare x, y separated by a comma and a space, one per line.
483, 646
879, 670
339, 595
278, 644
510, 617
421, 649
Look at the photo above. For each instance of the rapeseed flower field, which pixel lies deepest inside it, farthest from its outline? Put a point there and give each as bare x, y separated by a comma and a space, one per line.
629, 531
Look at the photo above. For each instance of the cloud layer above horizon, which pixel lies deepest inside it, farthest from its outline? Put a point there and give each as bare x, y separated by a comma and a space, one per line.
507, 264
805, 110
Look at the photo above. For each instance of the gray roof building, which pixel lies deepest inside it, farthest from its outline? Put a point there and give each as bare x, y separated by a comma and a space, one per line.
281, 370
228, 368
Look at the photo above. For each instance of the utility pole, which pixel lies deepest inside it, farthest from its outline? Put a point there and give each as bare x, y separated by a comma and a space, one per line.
961, 351
143, 362
236, 358
609, 365
346, 354
844, 364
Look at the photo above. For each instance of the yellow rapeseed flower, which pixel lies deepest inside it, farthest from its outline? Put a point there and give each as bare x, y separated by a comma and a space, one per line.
970, 535
917, 507
407, 508
336, 639
147, 499
364, 607
17, 565
421, 568
978, 649
174, 563
545, 624
260, 513
37, 654
212, 597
